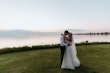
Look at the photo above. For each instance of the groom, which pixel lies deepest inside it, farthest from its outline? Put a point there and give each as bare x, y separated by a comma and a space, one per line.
63, 44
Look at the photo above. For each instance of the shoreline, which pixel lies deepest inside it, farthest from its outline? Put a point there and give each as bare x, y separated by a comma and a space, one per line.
41, 47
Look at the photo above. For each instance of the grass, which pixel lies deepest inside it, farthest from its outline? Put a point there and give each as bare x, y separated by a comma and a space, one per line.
94, 59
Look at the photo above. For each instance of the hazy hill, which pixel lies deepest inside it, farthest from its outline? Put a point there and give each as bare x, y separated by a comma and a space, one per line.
26, 33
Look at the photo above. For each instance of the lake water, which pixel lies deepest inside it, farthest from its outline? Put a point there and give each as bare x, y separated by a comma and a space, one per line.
42, 40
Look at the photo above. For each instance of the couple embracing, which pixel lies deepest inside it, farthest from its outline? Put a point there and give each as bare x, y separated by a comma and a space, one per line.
69, 59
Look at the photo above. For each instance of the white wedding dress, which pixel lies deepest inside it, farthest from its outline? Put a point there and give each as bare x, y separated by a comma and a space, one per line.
70, 59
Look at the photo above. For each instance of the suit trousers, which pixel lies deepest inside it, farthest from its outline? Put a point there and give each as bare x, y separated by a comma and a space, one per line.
62, 48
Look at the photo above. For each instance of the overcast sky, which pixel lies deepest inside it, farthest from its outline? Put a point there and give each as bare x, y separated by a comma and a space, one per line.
55, 14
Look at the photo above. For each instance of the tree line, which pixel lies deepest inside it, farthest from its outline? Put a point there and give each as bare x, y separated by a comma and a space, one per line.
93, 33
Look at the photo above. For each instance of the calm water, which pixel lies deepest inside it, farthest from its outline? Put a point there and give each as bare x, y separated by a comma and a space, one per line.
42, 40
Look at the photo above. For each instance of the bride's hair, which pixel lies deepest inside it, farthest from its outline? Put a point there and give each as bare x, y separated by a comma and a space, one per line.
70, 35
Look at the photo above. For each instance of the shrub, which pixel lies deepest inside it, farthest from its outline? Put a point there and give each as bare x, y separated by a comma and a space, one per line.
37, 47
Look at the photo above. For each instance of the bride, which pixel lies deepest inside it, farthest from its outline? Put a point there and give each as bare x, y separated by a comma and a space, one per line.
70, 60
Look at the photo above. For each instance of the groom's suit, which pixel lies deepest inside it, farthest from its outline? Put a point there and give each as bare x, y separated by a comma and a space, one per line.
63, 45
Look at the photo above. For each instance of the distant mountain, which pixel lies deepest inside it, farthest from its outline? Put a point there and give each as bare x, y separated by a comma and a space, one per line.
23, 33
27, 33
75, 31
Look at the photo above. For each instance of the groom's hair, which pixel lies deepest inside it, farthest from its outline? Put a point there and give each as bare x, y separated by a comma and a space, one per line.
66, 31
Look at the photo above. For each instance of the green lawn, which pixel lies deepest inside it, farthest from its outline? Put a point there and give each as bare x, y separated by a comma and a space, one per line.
94, 59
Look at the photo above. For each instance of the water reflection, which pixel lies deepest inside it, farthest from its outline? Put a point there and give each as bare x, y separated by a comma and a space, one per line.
41, 40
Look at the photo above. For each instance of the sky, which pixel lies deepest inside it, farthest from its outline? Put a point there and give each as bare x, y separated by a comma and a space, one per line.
50, 15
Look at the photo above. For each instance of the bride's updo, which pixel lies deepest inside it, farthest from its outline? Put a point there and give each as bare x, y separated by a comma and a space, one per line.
70, 35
